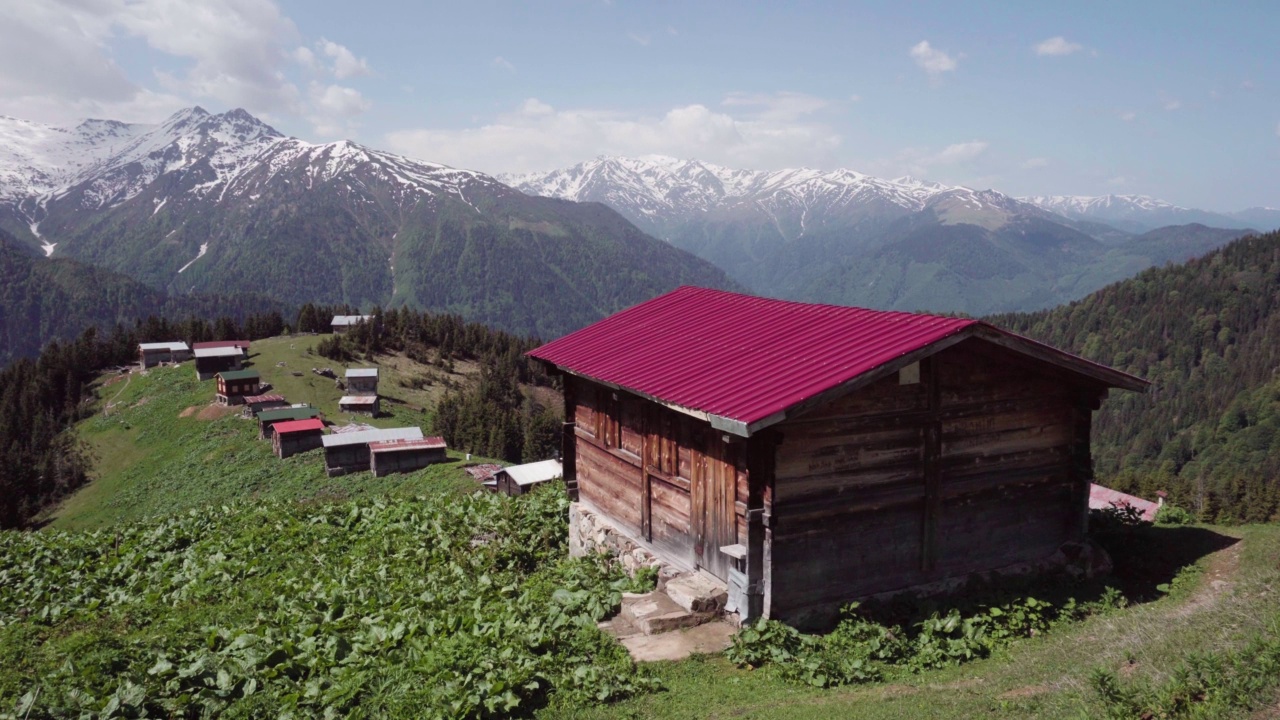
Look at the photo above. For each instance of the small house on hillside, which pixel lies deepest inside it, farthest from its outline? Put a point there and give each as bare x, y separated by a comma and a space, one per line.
1102, 498
808, 455
235, 385
359, 405
211, 361
343, 323
152, 354
404, 456
349, 452
254, 404
296, 436
520, 479
267, 419
362, 381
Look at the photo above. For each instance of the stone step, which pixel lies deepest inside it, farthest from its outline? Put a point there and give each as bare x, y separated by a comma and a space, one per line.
655, 612
698, 592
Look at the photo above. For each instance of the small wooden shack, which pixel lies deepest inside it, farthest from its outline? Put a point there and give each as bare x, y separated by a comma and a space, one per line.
296, 436
362, 381
360, 405
342, 323
254, 404
808, 455
235, 385
403, 456
152, 354
211, 361
349, 452
267, 419
242, 345
520, 479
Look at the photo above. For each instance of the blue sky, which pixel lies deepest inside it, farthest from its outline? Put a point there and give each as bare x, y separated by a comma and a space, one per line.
1176, 100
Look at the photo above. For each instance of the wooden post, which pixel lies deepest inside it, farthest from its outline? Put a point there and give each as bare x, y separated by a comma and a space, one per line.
1081, 466
931, 466
647, 442
569, 440
761, 459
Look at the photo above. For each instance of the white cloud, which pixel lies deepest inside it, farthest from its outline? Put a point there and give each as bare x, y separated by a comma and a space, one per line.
777, 106
335, 109
1172, 104
931, 60
1057, 46
1128, 115
925, 162
1035, 162
537, 136
855, 98
1278, 129
502, 64
56, 60
345, 63
640, 39
1119, 181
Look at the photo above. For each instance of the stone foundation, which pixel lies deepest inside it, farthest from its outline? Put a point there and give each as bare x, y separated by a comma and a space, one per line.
590, 532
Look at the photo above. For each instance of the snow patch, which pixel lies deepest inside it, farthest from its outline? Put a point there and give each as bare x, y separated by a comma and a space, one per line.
49, 248
204, 248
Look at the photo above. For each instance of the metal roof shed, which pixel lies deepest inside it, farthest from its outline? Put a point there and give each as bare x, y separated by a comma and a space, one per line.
349, 452
519, 479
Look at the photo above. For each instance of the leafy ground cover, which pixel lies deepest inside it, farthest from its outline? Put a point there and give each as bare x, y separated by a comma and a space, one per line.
440, 606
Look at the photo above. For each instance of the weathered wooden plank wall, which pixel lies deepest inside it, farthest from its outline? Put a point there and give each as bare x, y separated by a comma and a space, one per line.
974, 467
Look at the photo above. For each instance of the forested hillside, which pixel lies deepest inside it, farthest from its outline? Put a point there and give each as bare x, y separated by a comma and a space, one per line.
47, 299
1207, 334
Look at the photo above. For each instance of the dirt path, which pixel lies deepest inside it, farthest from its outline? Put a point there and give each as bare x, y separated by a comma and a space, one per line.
1218, 580
106, 410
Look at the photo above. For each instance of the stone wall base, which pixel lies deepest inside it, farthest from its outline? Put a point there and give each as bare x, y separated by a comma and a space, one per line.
590, 533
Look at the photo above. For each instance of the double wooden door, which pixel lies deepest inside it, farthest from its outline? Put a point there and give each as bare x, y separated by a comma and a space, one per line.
713, 521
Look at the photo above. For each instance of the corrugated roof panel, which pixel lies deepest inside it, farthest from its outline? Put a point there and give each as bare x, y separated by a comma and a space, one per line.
209, 345
299, 426
747, 358
293, 413
535, 472
220, 351
372, 436
239, 375
431, 443
738, 356
362, 372
358, 399
167, 346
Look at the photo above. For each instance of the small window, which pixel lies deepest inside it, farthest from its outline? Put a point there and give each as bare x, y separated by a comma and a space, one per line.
909, 375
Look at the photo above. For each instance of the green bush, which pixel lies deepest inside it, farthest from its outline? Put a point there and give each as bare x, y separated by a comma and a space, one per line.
1173, 515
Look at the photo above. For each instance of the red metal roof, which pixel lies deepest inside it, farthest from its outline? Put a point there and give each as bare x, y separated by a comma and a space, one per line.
1101, 498
242, 344
746, 358
430, 443
291, 426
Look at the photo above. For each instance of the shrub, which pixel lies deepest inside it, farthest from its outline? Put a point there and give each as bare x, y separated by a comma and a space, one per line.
1173, 515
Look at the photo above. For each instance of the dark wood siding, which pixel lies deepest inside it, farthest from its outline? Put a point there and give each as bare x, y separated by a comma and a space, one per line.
895, 485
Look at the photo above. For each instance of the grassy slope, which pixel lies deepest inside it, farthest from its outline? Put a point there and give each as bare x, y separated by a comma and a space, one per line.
151, 459
1230, 600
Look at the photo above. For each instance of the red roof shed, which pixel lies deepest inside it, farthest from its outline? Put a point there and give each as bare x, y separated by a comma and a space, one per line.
294, 426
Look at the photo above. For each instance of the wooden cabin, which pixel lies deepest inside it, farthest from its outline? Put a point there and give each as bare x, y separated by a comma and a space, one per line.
211, 361
235, 385
268, 419
359, 405
808, 455
404, 456
152, 354
362, 381
342, 323
349, 452
296, 436
520, 479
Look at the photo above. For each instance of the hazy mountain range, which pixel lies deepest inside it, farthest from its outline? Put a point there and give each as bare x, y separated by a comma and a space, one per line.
845, 237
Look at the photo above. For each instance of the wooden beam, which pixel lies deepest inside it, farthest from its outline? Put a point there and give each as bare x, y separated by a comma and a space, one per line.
931, 456
569, 440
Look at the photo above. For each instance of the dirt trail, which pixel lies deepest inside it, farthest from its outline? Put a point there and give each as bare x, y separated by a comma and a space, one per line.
106, 410
1218, 581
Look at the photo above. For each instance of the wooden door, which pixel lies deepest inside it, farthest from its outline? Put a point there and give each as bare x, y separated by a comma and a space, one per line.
714, 523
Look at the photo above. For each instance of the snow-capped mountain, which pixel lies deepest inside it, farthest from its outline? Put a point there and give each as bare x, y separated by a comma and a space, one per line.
844, 236
225, 203
1133, 213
